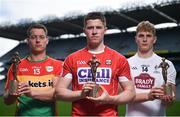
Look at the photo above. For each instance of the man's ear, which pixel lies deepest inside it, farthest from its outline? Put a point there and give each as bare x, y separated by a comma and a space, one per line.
106, 28
135, 38
47, 41
155, 39
84, 30
26, 41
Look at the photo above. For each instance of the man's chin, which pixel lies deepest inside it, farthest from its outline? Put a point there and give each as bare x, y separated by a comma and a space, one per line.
37, 51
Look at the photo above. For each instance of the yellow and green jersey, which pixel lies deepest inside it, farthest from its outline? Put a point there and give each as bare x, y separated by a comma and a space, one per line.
39, 76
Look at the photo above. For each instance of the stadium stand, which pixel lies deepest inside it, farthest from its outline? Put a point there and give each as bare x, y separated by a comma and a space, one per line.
168, 42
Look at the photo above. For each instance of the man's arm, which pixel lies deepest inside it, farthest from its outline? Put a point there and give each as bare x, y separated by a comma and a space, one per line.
127, 94
62, 91
154, 93
9, 98
124, 97
44, 95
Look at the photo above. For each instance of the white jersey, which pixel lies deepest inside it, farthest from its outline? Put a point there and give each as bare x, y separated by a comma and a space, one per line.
146, 74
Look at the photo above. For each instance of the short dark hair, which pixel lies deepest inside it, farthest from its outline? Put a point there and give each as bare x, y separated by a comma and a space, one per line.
146, 26
95, 15
38, 26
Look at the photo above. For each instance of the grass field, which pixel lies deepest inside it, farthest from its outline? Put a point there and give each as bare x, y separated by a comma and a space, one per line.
64, 109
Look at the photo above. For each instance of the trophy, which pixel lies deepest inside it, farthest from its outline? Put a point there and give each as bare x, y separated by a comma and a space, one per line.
15, 60
94, 63
167, 87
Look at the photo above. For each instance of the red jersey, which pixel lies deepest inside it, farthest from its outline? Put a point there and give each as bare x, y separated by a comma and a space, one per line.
39, 76
112, 66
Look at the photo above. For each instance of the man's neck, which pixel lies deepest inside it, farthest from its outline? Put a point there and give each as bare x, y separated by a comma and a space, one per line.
37, 57
145, 54
96, 49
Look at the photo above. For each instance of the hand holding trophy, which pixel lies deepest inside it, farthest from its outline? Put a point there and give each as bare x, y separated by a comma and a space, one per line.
94, 63
167, 87
15, 60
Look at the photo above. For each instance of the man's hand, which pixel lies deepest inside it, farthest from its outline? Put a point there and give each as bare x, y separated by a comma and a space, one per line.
23, 88
156, 93
10, 98
168, 99
87, 88
104, 98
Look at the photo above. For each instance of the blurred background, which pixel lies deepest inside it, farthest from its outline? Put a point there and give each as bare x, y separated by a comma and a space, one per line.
64, 21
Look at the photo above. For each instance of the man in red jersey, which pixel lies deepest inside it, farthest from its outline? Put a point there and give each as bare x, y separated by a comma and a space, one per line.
36, 77
112, 71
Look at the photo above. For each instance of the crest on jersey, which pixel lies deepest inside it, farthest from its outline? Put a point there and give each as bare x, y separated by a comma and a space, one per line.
145, 68
108, 62
49, 68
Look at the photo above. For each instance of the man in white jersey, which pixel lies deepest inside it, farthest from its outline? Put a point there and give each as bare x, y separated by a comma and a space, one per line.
148, 80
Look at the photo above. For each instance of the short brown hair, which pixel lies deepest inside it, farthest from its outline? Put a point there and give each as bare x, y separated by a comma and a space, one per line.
146, 26
38, 26
95, 15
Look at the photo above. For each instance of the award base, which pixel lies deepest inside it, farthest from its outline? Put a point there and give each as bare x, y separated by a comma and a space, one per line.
13, 87
95, 92
168, 89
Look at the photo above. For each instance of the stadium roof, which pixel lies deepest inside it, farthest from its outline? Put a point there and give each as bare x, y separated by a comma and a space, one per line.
120, 19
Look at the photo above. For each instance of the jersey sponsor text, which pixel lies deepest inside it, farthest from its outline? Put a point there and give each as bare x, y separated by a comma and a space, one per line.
144, 81
103, 75
49, 83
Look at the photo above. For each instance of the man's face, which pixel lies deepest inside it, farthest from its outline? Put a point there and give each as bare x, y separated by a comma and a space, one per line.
94, 31
145, 41
37, 40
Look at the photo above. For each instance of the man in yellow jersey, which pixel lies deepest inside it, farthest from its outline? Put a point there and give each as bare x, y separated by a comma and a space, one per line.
35, 76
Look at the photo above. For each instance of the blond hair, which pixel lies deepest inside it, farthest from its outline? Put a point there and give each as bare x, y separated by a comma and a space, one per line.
147, 27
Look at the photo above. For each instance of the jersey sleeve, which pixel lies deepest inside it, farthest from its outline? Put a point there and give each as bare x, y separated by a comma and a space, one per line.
171, 73
124, 70
9, 77
58, 71
67, 66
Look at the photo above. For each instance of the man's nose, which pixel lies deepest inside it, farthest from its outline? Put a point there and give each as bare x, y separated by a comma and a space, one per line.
94, 31
38, 39
145, 38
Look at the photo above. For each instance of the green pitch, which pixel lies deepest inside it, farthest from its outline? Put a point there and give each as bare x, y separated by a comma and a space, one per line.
64, 109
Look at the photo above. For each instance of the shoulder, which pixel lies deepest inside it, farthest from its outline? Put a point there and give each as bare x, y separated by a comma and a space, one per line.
160, 59
157, 57
23, 61
133, 58
115, 53
170, 64
77, 53
55, 61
